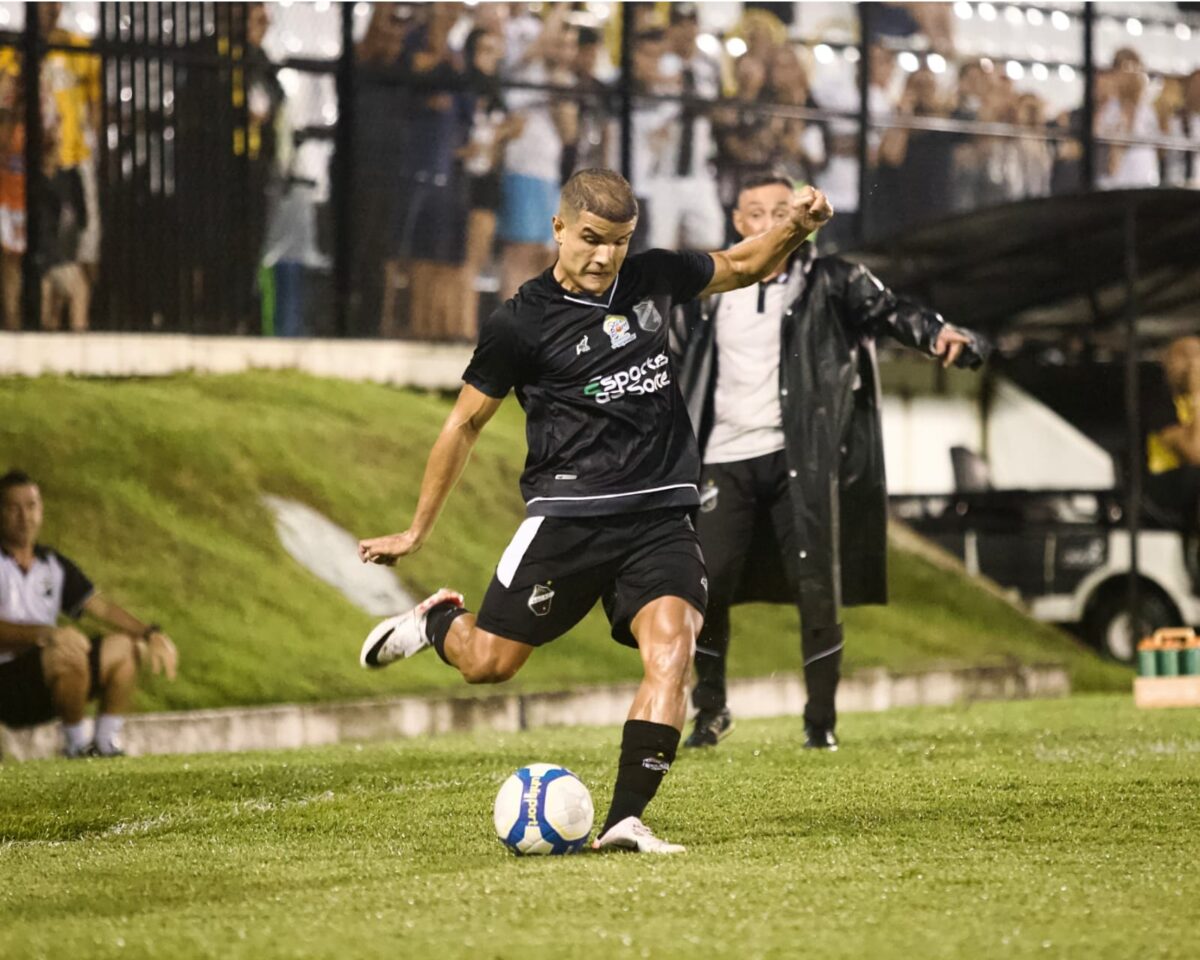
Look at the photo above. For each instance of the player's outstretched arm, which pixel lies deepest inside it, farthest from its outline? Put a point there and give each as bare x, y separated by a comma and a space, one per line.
446, 461
756, 258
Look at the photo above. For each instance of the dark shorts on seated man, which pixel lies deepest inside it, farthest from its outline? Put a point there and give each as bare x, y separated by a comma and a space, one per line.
25, 697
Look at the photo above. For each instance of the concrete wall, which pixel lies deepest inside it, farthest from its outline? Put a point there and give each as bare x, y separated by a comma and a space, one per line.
289, 726
426, 365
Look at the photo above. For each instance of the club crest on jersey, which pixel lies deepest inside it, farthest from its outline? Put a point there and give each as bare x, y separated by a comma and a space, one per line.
617, 328
648, 317
540, 599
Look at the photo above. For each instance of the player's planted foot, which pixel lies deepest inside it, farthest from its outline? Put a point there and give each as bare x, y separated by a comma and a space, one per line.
819, 738
632, 834
712, 726
402, 636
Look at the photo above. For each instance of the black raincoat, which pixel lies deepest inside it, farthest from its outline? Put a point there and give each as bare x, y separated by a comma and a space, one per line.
833, 436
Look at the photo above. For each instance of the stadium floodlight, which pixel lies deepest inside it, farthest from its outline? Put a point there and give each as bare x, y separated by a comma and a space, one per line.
1134, 26
1040, 72
823, 53
1060, 20
736, 46
937, 63
987, 12
908, 62
963, 10
1014, 69
1035, 17
1183, 31
1066, 73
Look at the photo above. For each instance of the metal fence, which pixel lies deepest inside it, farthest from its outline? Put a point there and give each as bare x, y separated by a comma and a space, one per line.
204, 229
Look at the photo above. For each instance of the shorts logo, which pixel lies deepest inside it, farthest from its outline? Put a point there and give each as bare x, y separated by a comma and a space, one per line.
708, 497
540, 599
704, 583
648, 317
617, 328
582, 346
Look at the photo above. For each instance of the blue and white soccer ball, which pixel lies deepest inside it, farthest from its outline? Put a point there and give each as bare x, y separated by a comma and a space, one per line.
543, 808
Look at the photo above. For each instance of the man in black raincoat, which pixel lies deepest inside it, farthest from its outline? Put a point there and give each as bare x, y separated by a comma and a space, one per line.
782, 386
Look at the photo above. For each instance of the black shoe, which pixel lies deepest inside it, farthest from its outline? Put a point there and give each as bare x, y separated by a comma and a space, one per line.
819, 738
712, 726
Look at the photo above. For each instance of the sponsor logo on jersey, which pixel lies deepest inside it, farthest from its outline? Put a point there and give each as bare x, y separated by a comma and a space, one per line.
648, 317
617, 327
582, 346
540, 599
642, 379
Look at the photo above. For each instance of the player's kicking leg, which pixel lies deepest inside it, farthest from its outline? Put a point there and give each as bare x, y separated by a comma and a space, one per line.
441, 623
666, 631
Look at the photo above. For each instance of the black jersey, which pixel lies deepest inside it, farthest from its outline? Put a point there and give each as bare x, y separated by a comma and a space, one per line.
607, 429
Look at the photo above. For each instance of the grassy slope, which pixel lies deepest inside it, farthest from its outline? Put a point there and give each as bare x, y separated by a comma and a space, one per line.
153, 485
999, 830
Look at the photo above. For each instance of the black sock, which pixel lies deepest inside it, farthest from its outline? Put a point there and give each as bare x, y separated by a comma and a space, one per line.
647, 752
437, 625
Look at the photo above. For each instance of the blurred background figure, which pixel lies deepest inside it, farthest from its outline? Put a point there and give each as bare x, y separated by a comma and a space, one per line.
492, 127
799, 144
686, 210
430, 229
840, 175
379, 140
1128, 112
543, 53
915, 165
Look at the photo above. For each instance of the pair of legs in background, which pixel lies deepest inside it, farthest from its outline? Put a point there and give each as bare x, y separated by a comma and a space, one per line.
58, 680
647, 571
738, 499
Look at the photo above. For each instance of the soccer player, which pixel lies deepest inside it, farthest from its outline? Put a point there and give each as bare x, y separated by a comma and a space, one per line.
610, 479
783, 389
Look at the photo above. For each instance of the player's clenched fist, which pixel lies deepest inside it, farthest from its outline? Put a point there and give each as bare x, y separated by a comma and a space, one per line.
387, 550
811, 209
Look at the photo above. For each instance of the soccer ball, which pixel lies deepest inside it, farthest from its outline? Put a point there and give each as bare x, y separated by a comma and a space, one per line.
543, 808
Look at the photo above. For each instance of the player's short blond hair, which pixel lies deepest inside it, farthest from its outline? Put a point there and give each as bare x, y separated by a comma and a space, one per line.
604, 193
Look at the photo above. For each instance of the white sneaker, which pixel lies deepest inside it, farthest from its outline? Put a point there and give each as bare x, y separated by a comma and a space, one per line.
632, 834
403, 635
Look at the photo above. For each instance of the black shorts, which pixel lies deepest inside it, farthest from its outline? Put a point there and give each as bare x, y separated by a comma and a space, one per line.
25, 699
556, 568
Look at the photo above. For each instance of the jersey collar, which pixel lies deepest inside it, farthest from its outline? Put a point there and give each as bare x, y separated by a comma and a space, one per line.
604, 300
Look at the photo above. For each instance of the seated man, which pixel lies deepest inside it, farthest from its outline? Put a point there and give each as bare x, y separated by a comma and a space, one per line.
47, 671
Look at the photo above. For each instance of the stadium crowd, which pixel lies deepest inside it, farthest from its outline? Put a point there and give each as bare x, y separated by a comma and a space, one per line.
467, 118
484, 159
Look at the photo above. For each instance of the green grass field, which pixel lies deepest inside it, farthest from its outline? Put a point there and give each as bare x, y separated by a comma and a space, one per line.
153, 486
1062, 828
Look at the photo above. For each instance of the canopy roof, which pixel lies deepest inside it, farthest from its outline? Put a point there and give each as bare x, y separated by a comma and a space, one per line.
1053, 270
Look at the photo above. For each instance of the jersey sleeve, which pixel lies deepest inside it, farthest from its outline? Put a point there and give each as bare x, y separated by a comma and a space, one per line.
77, 588
497, 364
682, 273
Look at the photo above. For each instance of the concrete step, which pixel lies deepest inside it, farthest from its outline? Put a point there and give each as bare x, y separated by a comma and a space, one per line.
308, 725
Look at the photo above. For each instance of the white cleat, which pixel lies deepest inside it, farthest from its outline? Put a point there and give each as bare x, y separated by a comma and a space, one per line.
403, 636
632, 834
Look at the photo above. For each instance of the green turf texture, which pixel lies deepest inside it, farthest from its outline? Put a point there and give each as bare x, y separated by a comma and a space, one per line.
1038, 829
153, 487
